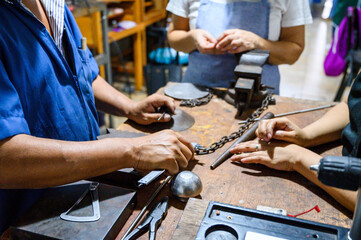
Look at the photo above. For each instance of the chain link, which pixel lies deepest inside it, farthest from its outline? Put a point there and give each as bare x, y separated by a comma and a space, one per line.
202, 150
196, 102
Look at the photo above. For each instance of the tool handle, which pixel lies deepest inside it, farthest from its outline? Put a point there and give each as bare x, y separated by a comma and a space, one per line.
340, 172
248, 135
141, 214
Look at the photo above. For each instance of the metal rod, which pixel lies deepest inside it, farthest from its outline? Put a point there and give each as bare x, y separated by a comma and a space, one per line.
296, 112
141, 214
248, 135
163, 114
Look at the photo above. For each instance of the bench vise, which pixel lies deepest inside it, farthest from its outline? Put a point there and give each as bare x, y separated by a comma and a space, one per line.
248, 91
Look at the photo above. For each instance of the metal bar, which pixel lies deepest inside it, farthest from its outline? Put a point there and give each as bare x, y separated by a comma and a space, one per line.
296, 112
107, 65
141, 214
150, 177
248, 135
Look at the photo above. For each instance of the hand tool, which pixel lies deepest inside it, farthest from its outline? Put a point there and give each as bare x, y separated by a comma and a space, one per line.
248, 135
161, 116
150, 177
83, 43
140, 215
185, 185
296, 112
164, 110
93, 189
248, 91
152, 221
343, 173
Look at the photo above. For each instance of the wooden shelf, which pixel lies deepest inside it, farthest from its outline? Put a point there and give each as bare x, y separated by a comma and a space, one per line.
118, 67
115, 36
148, 4
153, 16
116, 1
116, 15
144, 13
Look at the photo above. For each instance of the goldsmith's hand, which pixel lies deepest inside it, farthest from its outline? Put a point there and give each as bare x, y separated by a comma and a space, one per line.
281, 129
163, 150
145, 112
277, 155
204, 41
237, 41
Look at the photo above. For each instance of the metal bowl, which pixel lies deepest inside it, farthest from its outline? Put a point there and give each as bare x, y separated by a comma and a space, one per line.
185, 185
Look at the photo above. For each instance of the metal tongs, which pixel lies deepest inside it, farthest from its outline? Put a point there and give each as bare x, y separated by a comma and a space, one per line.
152, 221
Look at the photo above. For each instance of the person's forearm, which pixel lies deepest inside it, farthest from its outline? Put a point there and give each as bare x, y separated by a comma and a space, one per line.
308, 158
329, 127
109, 100
281, 52
31, 162
289, 46
181, 40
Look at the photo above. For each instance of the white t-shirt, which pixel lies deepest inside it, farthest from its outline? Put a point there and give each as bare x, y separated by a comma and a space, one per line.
283, 13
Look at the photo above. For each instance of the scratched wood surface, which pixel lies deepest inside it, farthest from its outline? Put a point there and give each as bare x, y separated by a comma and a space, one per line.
247, 185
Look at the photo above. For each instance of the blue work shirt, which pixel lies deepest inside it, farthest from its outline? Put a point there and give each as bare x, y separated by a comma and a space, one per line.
41, 93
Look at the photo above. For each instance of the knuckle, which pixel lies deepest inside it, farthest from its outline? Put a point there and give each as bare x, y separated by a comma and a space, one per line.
173, 148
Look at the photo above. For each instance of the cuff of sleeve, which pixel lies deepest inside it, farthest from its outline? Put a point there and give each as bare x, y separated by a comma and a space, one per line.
177, 11
297, 22
11, 126
94, 68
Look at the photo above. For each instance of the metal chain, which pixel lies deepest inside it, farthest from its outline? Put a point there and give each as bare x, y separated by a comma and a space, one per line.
196, 102
202, 150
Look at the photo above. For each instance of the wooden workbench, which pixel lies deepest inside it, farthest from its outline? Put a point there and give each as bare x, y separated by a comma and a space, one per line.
247, 185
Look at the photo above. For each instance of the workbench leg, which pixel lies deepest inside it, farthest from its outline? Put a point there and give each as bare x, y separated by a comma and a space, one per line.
138, 61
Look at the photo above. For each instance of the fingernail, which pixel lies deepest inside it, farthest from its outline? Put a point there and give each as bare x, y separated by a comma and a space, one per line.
269, 136
167, 117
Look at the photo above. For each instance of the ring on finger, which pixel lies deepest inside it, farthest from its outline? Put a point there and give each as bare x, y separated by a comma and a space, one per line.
258, 147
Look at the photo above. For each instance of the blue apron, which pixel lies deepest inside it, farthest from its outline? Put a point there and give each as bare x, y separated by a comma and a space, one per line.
41, 93
351, 135
217, 70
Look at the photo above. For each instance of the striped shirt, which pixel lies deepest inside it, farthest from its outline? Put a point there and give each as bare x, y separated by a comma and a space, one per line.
55, 13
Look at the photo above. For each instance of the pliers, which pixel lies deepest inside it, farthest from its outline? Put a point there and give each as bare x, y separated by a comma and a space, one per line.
152, 221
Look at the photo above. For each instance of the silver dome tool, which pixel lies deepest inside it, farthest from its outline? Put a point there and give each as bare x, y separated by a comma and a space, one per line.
185, 185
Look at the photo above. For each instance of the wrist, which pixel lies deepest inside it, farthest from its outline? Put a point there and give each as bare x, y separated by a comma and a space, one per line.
128, 156
260, 43
296, 156
127, 108
192, 36
307, 139
304, 159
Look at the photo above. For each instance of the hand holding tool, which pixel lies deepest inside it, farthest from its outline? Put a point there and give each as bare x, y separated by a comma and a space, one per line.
164, 110
152, 221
